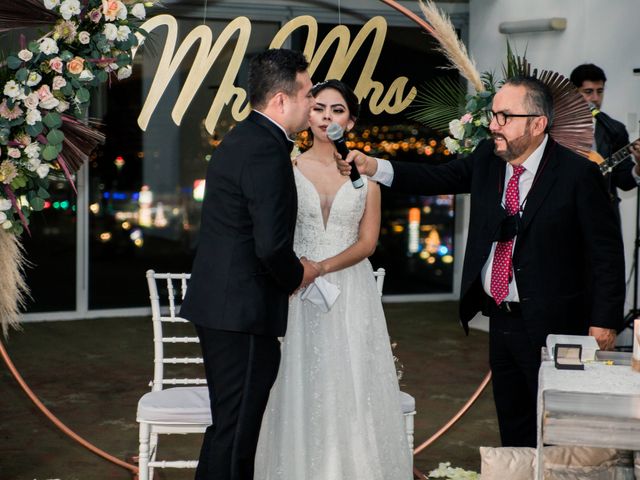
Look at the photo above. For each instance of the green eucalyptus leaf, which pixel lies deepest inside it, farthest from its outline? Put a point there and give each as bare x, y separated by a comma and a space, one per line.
14, 63
52, 120
37, 203
22, 75
55, 137
83, 95
50, 152
35, 129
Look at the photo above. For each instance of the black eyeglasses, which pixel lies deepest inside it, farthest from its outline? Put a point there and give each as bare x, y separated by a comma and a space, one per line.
501, 117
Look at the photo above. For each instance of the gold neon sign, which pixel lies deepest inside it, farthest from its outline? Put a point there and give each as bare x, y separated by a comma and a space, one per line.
393, 100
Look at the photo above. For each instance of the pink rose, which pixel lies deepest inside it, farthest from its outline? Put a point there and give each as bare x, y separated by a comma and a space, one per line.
466, 118
44, 93
113, 9
95, 15
56, 64
58, 82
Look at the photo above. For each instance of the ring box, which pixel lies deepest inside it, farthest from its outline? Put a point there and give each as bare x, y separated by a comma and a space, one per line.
567, 356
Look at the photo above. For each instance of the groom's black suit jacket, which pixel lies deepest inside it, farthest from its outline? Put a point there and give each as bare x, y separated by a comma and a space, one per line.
245, 267
568, 236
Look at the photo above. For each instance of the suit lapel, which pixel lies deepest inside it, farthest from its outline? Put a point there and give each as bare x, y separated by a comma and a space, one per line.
497, 171
545, 178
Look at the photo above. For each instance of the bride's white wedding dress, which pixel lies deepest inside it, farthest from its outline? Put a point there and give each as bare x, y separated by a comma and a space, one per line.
334, 411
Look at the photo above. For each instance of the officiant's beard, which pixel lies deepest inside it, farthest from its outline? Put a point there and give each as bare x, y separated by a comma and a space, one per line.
513, 148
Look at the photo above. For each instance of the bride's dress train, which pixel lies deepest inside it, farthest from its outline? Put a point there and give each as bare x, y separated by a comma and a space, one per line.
334, 412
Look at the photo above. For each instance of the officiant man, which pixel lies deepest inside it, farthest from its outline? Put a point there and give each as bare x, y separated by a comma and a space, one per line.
540, 226
245, 267
610, 135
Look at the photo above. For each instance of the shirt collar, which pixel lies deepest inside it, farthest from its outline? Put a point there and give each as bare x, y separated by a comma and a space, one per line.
276, 124
532, 163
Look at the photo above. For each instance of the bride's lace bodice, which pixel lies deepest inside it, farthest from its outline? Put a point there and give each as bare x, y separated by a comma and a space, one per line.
312, 238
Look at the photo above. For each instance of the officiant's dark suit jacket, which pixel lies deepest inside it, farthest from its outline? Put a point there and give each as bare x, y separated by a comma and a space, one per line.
245, 267
568, 234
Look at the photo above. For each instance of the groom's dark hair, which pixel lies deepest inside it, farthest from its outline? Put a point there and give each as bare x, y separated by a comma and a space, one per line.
274, 71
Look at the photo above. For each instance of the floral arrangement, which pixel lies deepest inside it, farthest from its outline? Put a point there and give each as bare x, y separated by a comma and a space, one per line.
473, 127
45, 90
445, 470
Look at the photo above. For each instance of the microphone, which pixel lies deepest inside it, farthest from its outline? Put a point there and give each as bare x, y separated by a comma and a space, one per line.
601, 119
336, 134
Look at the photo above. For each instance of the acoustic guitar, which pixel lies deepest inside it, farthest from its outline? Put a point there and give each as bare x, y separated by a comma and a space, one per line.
608, 164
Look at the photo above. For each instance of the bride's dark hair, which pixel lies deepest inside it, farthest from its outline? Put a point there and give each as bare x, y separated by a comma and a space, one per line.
345, 90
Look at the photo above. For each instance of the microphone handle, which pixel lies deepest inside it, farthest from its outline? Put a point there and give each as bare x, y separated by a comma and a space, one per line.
354, 174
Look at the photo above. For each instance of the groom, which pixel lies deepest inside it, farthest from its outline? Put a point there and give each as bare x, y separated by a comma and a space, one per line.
245, 267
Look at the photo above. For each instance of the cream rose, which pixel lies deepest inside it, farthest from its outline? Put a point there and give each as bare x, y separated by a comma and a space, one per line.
25, 55
32, 100
58, 82
84, 37
48, 46
114, 9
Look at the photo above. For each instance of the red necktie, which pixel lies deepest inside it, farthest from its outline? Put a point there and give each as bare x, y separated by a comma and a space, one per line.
501, 269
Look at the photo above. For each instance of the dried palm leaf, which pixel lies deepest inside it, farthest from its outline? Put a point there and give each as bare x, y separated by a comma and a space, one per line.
572, 123
440, 101
13, 288
80, 141
16, 14
450, 45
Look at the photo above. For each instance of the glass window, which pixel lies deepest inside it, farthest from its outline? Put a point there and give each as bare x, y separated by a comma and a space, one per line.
146, 186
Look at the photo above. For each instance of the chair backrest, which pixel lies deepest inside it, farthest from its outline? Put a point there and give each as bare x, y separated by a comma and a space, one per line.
379, 276
172, 333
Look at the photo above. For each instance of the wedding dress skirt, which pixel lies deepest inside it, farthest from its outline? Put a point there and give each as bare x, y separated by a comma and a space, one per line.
334, 411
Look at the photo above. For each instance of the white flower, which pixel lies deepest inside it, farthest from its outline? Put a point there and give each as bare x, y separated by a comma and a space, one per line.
123, 33
451, 144
138, 11
48, 46
86, 76
456, 127
42, 170
33, 151
33, 164
7, 225
51, 4
69, 8
13, 152
58, 82
124, 72
5, 204
33, 79
25, 55
110, 31
3, 217
49, 103
32, 100
84, 37
63, 106
12, 89
33, 116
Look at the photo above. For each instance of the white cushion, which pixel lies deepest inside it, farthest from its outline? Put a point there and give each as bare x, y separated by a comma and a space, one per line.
408, 403
177, 405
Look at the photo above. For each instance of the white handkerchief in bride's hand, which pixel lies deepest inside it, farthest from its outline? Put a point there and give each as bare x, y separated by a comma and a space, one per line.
321, 293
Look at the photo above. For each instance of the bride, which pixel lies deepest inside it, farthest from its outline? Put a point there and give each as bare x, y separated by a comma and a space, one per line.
334, 411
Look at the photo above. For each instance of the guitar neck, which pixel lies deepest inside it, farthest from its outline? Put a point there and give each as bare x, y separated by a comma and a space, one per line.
617, 158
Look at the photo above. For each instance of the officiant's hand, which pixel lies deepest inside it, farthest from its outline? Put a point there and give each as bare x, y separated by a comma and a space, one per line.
311, 272
366, 165
605, 337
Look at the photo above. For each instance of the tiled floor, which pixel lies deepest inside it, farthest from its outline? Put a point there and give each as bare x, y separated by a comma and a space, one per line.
91, 374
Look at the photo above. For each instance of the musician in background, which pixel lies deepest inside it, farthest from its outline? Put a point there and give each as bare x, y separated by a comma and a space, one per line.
610, 135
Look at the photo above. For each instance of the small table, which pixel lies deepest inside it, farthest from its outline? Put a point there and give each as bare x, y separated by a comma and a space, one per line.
596, 407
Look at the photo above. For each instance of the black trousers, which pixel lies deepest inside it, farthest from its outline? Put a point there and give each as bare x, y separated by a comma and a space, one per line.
514, 362
240, 370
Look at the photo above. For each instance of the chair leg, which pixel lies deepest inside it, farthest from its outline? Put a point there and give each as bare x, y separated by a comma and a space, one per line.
143, 452
153, 449
409, 429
